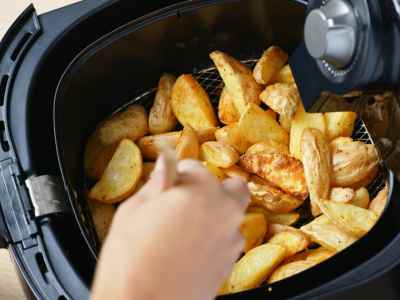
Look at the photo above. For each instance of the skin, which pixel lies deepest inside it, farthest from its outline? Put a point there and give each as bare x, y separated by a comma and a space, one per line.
173, 241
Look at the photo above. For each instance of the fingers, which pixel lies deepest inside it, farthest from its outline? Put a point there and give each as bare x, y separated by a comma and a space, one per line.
237, 189
192, 171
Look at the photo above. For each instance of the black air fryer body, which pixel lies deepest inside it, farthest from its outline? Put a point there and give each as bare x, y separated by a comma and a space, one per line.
63, 72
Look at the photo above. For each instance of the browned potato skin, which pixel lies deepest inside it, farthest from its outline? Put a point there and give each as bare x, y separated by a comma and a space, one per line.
216, 171
227, 111
290, 269
378, 204
317, 164
188, 146
340, 124
191, 104
282, 219
148, 168
161, 117
150, 145
269, 65
206, 135
253, 229
219, 154
232, 135
361, 198
285, 76
236, 171
279, 169
269, 146
102, 215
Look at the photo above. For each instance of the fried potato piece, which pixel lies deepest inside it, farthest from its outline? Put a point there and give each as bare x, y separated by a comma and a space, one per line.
342, 195
253, 229
238, 80
275, 228
340, 124
255, 267
232, 135
337, 143
282, 98
148, 168
319, 255
236, 171
188, 146
161, 116
150, 145
293, 241
270, 197
282, 219
206, 135
219, 154
290, 269
97, 156
227, 111
191, 105
361, 198
285, 76
102, 215
281, 170
121, 176
269, 65
378, 204
269, 146
285, 122
317, 164
322, 231
224, 289
353, 164
353, 220
256, 125
213, 169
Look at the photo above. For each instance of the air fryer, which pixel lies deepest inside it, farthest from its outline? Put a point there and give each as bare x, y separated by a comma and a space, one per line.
64, 71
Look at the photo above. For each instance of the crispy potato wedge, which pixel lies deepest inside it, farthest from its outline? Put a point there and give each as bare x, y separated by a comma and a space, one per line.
161, 116
271, 113
285, 76
102, 215
290, 269
236, 171
285, 122
351, 219
322, 231
255, 267
238, 80
206, 135
340, 124
294, 241
269, 65
317, 164
188, 146
227, 111
253, 229
361, 198
269, 146
283, 219
256, 125
97, 156
275, 228
224, 289
378, 204
216, 171
232, 135
282, 98
219, 154
121, 176
191, 105
342, 195
270, 197
319, 255
281, 170
337, 143
150, 145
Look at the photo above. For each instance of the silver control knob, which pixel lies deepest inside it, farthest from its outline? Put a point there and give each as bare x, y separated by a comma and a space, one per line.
330, 33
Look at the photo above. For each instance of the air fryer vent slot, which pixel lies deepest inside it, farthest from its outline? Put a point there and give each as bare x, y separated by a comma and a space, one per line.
3, 87
42, 265
20, 45
4, 143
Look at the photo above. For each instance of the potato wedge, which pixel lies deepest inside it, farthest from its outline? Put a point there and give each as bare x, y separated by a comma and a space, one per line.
269, 146
270, 197
342, 195
161, 116
191, 105
256, 125
275, 228
232, 135
150, 145
102, 215
188, 146
253, 229
353, 220
293, 241
340, 124
361, 198
255, 267
317, 164
236, 171
227, 111
219, 154
285, 76
285, 123
378, 204
213, 169
337, 143
224, 289
121, 176
206, 135
269, 65
319, 255
283, 219
238, 80
290, 269
97, 156
322, 231
148, 168
281, 170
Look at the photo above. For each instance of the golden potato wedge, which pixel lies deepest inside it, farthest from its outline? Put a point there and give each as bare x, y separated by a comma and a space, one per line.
285, 122
224, 289
322, 231
219, 154
269, 65
342, 195
269, 146
290, 269
340, 124
319, 255
121, 176
213, 169
275, 228
232, 135
351, 219
150, 145
271, 113
227, 111
354, 163
253, 229
102, 215
206, 135
283, 219
148, 168
293, 241
161, 116
188, 146
238, 80
191, 105
361, 198
255, 267
281, 170
337, 143
256, 125
236, 171
97, 156
317, 164
270, 197
285, 76
282, 98
378, 204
